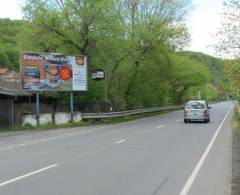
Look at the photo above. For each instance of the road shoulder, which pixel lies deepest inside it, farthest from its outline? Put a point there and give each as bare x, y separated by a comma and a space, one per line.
215, 175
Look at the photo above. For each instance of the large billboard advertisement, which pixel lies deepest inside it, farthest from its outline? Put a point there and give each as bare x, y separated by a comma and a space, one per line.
53, 72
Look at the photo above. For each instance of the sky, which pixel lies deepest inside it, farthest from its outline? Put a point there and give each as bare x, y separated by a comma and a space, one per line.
203, 25
10, 9
203, 21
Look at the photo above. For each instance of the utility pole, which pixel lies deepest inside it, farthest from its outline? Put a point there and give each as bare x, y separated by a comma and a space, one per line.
199, 95
105, 93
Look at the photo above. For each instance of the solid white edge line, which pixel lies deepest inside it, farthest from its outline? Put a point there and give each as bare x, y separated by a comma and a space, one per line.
27, 175
194, 174
120, 141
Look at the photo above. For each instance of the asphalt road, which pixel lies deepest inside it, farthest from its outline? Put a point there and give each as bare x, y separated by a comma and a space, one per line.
159, 155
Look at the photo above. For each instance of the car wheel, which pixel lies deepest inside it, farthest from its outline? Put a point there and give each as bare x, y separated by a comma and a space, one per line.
185, 121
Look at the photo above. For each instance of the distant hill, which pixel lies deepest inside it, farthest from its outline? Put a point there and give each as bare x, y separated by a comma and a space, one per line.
215, 66
10, 37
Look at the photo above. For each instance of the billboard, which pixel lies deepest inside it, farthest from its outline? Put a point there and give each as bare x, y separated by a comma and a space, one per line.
53, 72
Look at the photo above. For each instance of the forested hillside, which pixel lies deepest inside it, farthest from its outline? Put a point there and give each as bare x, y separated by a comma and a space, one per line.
216, 68
135, 42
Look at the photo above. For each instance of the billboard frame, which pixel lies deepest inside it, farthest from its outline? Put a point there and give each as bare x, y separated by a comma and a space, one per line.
69, 64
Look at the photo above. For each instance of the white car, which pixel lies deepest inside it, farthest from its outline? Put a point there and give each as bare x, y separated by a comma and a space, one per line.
196, 111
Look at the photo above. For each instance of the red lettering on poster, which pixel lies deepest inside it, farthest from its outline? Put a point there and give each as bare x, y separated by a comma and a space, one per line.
65, 73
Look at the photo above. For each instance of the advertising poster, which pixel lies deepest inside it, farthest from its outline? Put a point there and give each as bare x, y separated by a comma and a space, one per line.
53, 72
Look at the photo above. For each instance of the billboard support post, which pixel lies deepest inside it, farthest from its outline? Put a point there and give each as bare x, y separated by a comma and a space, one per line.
37, 108
99, 75
71, 105
106, 93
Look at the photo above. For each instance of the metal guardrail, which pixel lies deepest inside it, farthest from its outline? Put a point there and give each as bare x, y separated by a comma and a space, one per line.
129, 112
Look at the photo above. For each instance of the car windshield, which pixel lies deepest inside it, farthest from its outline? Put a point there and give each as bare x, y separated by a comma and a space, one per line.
195, 105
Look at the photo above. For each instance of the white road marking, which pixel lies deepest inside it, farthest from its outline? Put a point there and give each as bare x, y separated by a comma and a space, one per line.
196, 170
27, 175
24, 144
51, 138
178, 120
25, 136
33, 142
71, 134
120, 141
161, 126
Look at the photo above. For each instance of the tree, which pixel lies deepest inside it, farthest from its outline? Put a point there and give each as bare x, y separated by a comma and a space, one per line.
229, 35
117, 35
10, 43
4, 61
186, 74
229, 44
151, 25
232, 70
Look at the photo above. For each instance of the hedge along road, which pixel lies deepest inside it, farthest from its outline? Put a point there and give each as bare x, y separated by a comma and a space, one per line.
150, 156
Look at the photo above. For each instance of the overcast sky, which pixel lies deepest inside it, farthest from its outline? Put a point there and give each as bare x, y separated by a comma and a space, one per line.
10, 9
203, 22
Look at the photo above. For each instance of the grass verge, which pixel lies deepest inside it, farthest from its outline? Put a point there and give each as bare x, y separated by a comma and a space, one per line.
236, 153
236, 123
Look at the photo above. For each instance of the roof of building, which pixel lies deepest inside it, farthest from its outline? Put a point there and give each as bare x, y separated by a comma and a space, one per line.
4, 70
13, 89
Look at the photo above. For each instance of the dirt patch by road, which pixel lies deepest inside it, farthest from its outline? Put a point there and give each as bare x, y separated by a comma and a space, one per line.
236, 166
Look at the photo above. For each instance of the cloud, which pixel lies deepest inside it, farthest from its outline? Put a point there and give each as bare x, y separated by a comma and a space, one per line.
203, 25
10, 9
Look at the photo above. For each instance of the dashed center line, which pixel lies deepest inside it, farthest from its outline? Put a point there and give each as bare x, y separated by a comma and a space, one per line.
178, 120
120, 141
161, 126
23, 144
27, 175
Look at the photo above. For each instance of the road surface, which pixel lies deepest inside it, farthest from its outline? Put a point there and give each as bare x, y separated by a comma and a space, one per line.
158, 155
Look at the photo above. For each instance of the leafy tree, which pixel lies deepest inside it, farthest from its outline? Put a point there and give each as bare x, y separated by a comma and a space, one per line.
184, 75
4, 61
10, 44
208, 92
228, 45
229, 35
232, 70
137, 42
117, 36
151, 25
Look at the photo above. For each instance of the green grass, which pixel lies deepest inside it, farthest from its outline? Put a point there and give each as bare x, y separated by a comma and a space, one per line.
86, 122
236, 123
